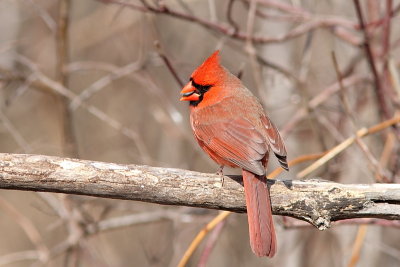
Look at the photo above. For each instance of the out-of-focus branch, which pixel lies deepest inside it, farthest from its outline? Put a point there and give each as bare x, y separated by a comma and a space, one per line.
315, 201
320, 98
229, 17
29, 228
168, 63
379, 89
346, 143
62, 55
308, 25
42, 81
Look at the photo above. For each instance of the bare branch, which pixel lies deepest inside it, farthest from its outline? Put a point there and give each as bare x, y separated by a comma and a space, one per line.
309, 25
63, 91
379, 90
19, 256
315, 201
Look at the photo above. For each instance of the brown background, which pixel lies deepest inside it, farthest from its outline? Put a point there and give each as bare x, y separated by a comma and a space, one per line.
110, 48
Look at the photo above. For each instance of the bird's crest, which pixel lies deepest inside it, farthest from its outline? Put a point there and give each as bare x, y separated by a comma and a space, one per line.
210, 72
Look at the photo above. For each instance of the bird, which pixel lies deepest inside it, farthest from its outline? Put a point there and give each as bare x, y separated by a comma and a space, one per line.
231, 126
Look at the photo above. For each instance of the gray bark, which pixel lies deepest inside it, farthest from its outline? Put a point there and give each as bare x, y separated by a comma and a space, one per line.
315, 201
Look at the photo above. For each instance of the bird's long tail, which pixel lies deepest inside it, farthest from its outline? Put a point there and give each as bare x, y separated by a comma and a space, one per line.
259, 215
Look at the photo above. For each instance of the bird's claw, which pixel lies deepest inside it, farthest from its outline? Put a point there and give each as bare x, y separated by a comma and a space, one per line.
221, 173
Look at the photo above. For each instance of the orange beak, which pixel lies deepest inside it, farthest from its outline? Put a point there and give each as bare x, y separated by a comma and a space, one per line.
188, 93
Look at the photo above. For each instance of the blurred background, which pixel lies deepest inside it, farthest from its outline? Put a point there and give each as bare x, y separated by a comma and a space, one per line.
100, 80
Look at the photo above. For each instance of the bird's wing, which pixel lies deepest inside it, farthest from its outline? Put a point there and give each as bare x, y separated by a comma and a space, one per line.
275, 141
236, 141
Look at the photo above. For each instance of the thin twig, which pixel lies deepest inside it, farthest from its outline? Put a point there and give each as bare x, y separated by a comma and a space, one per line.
319, 99
221, 28
104, 81
8, 259
29, 228
62, 55
342, 146
277, 68
44, 15
377, 169
134, 219
249, 47
229, 17
292, 224
359, 240
168, 63
60, 89
200, 236
19, 139
209, 246
379, 90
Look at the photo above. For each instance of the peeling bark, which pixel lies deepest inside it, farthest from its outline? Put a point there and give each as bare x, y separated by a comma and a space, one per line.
315, 201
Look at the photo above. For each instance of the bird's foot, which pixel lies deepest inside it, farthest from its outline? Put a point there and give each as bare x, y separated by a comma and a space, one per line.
221, 173
220, 170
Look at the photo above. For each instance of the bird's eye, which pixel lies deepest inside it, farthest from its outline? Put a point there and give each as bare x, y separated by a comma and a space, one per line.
201, 88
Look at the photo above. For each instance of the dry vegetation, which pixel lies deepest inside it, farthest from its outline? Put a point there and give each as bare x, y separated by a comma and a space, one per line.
100, 80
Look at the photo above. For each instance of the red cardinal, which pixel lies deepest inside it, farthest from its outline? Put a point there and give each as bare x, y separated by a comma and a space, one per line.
230, 125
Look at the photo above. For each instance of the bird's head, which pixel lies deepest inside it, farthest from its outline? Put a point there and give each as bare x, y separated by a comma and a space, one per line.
208, 75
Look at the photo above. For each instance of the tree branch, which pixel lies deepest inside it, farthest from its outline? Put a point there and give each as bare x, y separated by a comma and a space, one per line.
315, 201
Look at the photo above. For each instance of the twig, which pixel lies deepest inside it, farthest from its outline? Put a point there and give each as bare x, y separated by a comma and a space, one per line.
223, 29
261, 60
28, 227
168, 64
277, 68
90, 65
388, 151
200, 236
19, 139
104, 81
249, 47
60, 89
75, 228
44, 15
134, 219
386, 32
306, 15
62, 55
387, 77
355, 254
379, 22
210, 244
213, 11
377, 169
63, 40
319, 99
379, 90
296, 161
342, 94
19, 256
342, 146
231, 21
24, 87
291, 223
